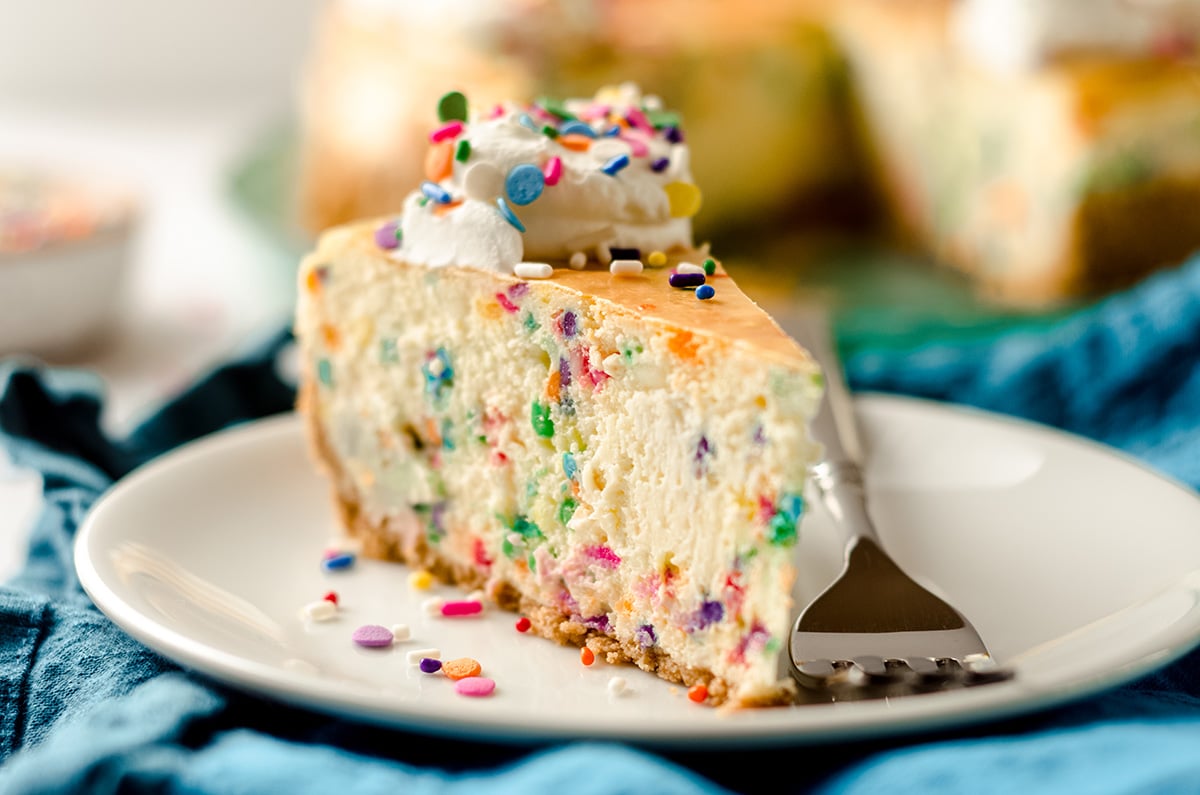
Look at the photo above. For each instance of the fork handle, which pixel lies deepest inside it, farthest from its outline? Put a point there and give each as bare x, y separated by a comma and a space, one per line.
838, 475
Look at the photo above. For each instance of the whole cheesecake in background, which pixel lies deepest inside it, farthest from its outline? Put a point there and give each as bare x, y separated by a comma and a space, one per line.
756, 81
1047, 148
510, 384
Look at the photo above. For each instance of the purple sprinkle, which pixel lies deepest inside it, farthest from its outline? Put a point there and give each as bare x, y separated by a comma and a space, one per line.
437, 517
658, 165
674, 135
706, 614
564, 372
686, 279
517, 290
626, 253
568, 322
646, 636
703, 450
599, 622
430, 665
373, 636
387, 235
760, 436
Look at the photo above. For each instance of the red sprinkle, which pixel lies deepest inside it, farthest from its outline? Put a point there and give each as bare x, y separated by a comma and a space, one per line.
698, 693
586, 656
467, 607
331, 597
523, 624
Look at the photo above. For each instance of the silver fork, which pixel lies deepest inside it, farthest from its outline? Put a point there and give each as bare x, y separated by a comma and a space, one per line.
874, 625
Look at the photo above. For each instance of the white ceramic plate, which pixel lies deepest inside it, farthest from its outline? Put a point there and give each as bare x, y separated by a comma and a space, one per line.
1081, 569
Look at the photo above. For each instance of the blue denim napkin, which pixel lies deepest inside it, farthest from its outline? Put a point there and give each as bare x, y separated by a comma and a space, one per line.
84, 708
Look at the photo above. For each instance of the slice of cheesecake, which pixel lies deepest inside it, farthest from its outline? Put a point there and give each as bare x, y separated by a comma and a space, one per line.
599, 449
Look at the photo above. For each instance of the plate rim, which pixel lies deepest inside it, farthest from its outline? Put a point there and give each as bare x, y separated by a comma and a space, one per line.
905, 716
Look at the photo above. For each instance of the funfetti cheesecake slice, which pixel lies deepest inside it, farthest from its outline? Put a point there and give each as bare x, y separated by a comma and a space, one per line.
528, 383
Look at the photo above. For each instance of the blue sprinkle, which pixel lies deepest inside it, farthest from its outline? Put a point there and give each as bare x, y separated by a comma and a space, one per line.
659, 165
569, 466
508, 215
436, 192
343, 561
524, 183
613, 131
527, 121
615, 164
705, 292
325, 372
576, 127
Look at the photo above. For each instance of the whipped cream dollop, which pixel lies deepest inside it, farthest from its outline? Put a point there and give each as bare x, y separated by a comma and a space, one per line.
549, 180
1012, 36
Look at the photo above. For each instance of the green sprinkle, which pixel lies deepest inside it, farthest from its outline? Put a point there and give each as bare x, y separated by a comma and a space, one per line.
550, 131
710, 266
447, 429
452, 107
462, 151
325, 375
662, 118
771, 646
567, 510
422, 201
525, 528
532, 563
388, 352
782, 530
539, 415
508, 549
556, 107
530, 322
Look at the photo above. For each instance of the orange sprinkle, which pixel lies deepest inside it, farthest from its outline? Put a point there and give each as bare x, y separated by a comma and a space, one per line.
697, 693
442, 209
330, 335
576, 142
439, 161
553, 386
586, 656
461, 668
683, 345
312, 281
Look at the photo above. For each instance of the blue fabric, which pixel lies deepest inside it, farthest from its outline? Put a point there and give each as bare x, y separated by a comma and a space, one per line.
84, 708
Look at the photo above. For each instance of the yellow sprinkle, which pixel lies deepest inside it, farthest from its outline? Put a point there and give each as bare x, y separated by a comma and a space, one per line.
420, 580
657, 259
684, 199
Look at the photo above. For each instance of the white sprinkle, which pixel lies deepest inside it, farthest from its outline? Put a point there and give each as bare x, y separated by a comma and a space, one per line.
483, 181
688, 267
415, 656
433, 607
323, 610
612, 364
625, 267
616, 686
345, 544
533, 270
401, 633
578, 261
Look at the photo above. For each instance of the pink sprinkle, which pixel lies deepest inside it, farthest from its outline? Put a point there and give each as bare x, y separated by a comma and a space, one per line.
595, 111
638, 119
451, 129
373, 636
475, 686
552, 170
497, 112
636, 145
604, 555
467, 607
508, 305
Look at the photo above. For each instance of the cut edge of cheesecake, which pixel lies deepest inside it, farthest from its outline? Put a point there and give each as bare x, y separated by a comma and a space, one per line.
649, 298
